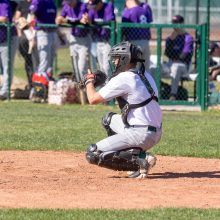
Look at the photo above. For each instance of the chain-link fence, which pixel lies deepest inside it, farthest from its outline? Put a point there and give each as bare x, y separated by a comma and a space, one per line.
186, 89
71, 55
182, 79
194, 12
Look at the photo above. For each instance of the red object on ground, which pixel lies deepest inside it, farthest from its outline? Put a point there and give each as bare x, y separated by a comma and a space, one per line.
40, 79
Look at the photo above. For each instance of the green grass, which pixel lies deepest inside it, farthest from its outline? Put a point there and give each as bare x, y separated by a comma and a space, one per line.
190, 134
103, 214
28, 126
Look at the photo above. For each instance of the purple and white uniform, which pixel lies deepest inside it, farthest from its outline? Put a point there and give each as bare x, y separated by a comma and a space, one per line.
140, 36
102, 35
45, 13
5, 11
78, 39
180, 52
180, 48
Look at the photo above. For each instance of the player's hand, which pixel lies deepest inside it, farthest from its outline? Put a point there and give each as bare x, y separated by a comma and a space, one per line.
84, 19
89, 77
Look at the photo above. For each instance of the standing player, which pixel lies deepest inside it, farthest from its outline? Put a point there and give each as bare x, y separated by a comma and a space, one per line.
44, 12
6, 16
138, 13
139, 127
101, 12
75, 12
29, 55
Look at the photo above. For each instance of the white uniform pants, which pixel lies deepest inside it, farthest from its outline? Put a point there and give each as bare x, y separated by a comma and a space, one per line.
4, 64
79, 52
103, 49
128, 137
46, 46
175, 70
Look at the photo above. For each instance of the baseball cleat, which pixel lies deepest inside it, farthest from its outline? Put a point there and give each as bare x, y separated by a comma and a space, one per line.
145, 166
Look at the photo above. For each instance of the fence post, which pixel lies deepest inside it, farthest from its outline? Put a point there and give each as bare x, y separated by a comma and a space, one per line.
198, 62
113, 25
119, 34
208, 18
159, 34
9, 59
204, 69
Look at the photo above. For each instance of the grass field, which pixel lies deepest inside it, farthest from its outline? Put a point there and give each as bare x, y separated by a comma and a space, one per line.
155, 214
27, 126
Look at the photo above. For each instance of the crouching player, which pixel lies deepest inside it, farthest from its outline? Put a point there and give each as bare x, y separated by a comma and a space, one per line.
138, 128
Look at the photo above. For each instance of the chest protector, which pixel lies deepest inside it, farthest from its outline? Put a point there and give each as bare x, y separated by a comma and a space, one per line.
126, 107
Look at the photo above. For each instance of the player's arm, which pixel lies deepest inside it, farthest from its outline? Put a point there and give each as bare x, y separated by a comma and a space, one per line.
93, 96
60, 20
3, 19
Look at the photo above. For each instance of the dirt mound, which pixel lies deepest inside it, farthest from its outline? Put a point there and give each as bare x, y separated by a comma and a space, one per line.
47, 179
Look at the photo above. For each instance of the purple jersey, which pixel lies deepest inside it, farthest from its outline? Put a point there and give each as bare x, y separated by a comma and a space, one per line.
75, 14
44, 10
5, 11
140, 15
181, 48
105, 14
148, 10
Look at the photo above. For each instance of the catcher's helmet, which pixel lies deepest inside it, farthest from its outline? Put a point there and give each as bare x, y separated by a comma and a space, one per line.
126, 53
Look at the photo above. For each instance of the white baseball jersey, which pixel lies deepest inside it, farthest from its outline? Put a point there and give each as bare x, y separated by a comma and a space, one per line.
130, 87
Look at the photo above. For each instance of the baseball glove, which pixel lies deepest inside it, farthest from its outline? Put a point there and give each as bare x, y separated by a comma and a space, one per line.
98, 78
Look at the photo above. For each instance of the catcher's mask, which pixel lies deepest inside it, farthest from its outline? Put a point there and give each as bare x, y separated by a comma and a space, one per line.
122, 54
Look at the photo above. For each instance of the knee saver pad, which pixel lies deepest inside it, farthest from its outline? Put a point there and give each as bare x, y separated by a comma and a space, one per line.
92, 155
106, 120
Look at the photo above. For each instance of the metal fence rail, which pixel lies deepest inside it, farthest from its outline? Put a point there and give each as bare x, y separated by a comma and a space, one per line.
200, 58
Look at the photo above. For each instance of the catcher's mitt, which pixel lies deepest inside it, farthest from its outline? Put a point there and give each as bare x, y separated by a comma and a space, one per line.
98, 78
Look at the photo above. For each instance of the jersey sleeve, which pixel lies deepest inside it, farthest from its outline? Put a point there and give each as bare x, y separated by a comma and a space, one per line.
109, 13
63, 12
4, 10
114, 88
34, 6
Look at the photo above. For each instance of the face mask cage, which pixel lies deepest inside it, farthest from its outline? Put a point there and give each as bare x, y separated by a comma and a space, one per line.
114, 63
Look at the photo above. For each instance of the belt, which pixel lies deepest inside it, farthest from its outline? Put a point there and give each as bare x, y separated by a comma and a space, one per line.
149, 127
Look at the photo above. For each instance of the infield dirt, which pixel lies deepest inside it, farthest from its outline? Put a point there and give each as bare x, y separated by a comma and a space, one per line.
48, 179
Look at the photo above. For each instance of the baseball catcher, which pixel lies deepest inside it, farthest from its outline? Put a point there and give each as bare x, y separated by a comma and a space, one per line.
138, 128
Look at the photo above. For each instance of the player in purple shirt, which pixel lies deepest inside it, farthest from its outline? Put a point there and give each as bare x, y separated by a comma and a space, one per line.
24, 40
101, 12
44, 12
6, 16
75, 12
136, 12
179, 50
148, 10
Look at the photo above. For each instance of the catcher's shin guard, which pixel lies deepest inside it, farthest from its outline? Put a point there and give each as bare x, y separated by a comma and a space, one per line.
92, 155
127, 160
106, 120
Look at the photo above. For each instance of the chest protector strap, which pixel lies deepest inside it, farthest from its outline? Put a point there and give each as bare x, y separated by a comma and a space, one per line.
126, 107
